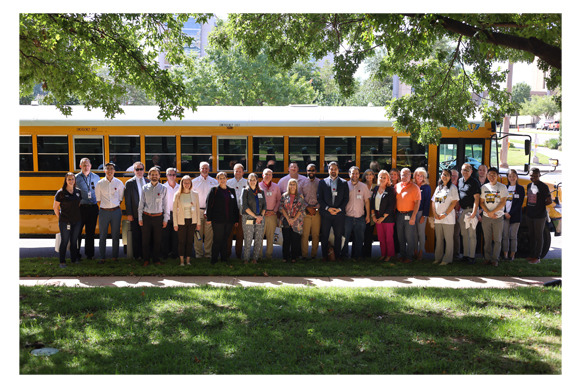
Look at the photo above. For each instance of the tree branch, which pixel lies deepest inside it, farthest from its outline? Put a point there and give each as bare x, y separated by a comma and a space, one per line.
547, 52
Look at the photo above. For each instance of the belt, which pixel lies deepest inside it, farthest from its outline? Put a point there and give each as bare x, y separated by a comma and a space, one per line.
202, 208
110, 209
149, 214
405, 212
88, 205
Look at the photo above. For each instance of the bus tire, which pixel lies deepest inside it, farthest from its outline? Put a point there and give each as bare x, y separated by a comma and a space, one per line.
524, 241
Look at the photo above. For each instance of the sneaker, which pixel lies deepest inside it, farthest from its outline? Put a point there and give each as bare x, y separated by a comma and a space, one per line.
181, 264
444, 263
534, 261
436, 262
495, 264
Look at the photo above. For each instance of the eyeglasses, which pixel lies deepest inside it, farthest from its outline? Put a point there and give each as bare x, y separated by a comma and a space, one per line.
138, 169
312, 170
171, 174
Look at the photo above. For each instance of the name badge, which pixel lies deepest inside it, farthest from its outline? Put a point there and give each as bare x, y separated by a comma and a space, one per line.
334, 193
260, 196
268, 193
249, 221
516, 196
359, 197
407, 217
232, 196
90, 196
68, 226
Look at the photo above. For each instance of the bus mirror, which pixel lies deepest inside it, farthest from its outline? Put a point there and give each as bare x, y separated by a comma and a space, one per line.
526, 168
528, 147
554, 162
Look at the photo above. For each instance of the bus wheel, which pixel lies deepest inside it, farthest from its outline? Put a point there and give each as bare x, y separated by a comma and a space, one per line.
547, 241
524, 241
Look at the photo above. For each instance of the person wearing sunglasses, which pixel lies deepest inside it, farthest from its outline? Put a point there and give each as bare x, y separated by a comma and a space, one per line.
133, 189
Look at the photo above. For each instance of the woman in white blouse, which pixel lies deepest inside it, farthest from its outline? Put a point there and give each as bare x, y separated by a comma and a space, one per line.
443, 209
186, 218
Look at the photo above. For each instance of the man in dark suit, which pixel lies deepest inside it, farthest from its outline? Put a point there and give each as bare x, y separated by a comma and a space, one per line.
332, 196
133, 189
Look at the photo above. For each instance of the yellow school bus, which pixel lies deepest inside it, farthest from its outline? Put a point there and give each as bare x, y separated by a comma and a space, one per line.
257, 137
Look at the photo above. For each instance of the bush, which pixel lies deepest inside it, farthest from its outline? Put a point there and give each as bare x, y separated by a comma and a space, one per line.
553, 143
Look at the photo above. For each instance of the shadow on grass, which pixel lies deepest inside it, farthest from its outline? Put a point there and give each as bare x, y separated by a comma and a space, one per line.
290, 331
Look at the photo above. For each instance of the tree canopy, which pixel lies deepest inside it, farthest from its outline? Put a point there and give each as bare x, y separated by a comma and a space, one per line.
96, 57
445, 79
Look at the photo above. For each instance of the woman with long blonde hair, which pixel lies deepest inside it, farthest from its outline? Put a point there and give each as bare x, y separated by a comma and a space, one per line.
186, 218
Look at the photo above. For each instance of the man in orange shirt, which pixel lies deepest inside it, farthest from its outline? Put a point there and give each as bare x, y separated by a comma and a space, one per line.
408, 201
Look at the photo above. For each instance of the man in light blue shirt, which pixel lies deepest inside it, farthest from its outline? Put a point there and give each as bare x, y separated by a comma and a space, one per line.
86, 181
153, 216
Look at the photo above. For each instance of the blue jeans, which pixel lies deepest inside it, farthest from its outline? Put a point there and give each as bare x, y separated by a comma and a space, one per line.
114, 219
69, 235
357, 227
407, 235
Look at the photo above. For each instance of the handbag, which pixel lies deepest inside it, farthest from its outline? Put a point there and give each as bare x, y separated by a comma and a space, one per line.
57, 240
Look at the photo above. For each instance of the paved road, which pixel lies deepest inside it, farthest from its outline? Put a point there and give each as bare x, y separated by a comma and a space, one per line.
45, 248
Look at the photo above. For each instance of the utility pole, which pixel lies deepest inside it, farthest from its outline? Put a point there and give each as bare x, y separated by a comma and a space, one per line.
506, 124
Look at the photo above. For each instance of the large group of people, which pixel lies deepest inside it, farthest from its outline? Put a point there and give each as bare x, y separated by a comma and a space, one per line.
200, 217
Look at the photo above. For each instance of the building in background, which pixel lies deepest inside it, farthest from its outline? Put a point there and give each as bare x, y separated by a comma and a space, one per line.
199, 32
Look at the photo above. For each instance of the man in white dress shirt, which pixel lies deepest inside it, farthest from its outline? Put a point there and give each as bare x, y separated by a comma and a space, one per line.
109, 192
238, 183
202, 185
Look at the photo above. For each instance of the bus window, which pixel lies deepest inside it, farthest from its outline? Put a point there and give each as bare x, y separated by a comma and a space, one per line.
376, 153
268, 153
411, 154
194, 150
26, 156
342, 150
160, 152
304, 151
447, 156
91, 148
52, 153
124, 151
494, 154
231, 151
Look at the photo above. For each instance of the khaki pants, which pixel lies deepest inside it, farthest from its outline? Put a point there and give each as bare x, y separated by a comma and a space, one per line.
311, 227
271, 221
203, 250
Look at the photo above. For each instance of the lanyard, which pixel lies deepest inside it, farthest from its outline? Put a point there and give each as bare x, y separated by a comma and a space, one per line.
87, 183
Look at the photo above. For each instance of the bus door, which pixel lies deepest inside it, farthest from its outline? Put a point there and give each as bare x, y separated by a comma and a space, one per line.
453, 152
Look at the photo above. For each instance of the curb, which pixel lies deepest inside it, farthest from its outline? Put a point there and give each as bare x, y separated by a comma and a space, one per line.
456, 282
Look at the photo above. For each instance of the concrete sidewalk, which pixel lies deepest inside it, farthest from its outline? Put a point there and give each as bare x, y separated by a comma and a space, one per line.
190, 281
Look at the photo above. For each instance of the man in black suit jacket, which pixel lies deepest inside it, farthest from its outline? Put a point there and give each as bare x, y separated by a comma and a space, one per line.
132, 196
332, 196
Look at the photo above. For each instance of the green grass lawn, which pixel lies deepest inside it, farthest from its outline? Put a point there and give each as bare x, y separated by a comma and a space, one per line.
48, 267
517, 156
291, 330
